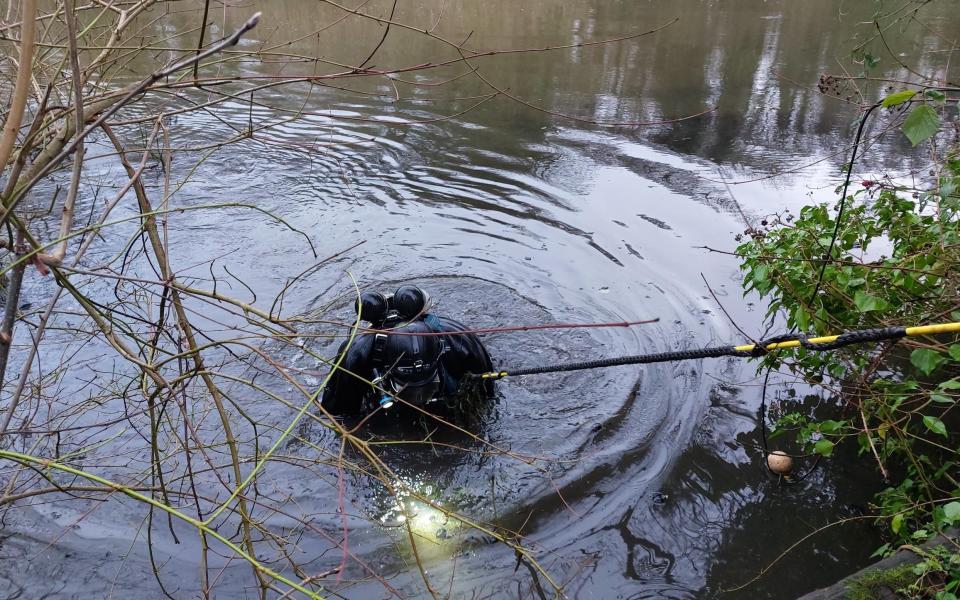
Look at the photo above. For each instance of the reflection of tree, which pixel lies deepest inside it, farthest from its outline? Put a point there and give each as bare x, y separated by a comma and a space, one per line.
715, 55
756, 62
643, 558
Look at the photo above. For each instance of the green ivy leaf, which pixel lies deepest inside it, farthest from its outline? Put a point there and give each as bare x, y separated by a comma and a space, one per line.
837, 370
951, 511
896, 524
936, 95
761, 273
898, 98
921, 124
867, 303
935, 425
881, 551
823, 447
950, 384
941, 399
830, 426
948, 187
926, 360
955, 352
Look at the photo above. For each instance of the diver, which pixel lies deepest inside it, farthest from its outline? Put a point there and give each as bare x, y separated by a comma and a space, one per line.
409, 359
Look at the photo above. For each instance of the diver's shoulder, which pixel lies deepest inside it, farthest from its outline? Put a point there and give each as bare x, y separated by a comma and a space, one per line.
445, 323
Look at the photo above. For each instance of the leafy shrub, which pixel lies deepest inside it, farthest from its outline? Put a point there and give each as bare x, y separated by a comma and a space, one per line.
894, 262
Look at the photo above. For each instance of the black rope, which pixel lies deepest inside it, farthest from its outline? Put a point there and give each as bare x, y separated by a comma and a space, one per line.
823, 268
759, 349
843, 198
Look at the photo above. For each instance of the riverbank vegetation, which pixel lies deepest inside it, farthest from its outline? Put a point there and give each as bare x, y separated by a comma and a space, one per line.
885, 254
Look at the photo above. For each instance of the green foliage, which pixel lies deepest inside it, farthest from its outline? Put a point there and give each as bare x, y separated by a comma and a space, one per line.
823, 447
926, 360
898, 98
895, 262
921, 124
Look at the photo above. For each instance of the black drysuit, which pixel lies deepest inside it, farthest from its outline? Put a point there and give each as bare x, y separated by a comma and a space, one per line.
346, 394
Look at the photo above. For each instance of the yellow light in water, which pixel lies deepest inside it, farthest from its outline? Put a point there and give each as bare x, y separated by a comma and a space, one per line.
429, 523
415, 509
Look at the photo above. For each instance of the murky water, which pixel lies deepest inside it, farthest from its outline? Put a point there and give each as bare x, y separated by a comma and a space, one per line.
650, 481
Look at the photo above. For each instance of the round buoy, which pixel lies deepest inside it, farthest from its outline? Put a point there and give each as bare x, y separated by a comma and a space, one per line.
779, 462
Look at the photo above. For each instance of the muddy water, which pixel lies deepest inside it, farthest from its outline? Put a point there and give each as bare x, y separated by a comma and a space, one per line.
648, 482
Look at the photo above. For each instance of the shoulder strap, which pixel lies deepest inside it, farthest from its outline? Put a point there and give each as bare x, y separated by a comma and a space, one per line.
433, 322
435, 326
379, 343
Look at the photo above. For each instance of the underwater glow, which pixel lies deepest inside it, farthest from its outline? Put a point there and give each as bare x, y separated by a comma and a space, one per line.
425, 520
428, 522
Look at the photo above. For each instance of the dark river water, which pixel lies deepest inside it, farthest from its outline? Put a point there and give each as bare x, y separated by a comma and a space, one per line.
543, 203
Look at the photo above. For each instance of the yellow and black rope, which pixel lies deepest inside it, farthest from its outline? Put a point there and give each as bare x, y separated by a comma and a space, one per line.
822, 343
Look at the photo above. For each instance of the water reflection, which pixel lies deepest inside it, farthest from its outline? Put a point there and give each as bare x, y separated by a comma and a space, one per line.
756, 62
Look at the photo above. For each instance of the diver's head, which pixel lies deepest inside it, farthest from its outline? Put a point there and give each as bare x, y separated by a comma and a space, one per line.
412, 363
372, 306
409, 302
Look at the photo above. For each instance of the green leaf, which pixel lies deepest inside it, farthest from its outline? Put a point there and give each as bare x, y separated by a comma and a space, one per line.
867, 303
948, 187
896, 524
837, 370
881, 551
936, 95
950, 384
935, 425
830, 426
761, 273
823, 447
941, 399
921, 124
951, 511
926, 360
898, 98
955, 352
